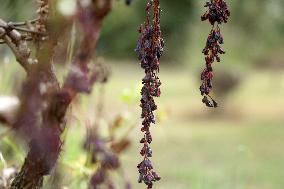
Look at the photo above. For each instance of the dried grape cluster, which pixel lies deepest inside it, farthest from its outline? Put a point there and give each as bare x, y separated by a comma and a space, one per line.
149, 49
105, 151
100, 154
216, 14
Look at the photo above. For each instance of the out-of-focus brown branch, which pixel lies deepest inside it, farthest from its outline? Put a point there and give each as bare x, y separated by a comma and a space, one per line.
102, 7
44, 103
90, 19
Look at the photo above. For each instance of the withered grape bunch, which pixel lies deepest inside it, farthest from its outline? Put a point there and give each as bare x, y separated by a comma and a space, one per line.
149, 49
216, 14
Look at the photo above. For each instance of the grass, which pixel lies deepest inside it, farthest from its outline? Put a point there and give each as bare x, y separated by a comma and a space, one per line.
219, 155
194, 148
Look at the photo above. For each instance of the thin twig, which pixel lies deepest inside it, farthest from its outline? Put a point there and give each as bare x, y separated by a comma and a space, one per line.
20, 58
23, 23
26, 30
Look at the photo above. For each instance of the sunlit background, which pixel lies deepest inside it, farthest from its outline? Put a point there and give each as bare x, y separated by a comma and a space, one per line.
237, 146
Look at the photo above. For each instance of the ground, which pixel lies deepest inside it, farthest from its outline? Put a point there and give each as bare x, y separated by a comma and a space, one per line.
238, 146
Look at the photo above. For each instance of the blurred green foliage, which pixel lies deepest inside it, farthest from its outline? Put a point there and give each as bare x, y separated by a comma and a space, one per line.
258, 25
120, 34
13, 10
